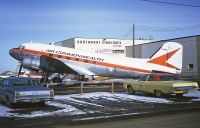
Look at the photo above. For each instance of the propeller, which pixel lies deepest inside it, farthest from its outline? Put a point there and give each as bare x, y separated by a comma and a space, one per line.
20, 69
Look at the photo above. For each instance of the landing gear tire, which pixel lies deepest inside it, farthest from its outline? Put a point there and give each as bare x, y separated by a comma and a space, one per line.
131, 90
158, 93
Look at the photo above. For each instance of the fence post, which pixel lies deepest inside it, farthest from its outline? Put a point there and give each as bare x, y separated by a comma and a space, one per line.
112, 88
81, 88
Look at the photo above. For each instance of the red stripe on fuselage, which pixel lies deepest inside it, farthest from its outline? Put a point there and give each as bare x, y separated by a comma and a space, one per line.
83, 60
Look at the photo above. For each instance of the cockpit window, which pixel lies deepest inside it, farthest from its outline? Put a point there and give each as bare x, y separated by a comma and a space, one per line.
21, 47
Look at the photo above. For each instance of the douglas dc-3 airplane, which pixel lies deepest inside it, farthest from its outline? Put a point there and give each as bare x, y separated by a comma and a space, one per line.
59, 59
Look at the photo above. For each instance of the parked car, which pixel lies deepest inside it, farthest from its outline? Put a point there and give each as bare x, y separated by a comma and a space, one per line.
23, 89
160, 84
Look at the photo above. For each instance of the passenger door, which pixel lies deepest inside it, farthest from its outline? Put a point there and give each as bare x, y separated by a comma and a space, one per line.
147, 86
142, 83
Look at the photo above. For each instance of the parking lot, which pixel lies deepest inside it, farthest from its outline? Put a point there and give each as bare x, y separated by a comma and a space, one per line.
94, 105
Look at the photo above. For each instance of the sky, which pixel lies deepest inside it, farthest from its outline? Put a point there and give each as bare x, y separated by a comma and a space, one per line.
46, 21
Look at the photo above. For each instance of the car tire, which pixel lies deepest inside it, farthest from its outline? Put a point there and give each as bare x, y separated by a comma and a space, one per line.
8, 103
158, 93
131, 90
41, 103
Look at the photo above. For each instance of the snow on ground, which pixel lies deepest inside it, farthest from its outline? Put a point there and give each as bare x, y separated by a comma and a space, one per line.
4, 111
114, 97
72, 98
65, 110
70, 104
193, 94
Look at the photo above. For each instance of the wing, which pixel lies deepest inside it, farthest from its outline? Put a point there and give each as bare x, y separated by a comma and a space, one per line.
60, 66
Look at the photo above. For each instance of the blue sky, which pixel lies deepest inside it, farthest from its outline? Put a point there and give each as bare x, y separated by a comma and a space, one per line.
53, 20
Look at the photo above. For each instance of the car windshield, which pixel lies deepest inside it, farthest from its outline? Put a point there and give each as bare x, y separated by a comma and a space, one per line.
20, 82
168, 78
1, 80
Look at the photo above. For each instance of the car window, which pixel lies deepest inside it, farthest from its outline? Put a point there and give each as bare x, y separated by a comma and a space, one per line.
144, 78
35, 82
5, 82
168, 78
20, 82
150, 78
1, 80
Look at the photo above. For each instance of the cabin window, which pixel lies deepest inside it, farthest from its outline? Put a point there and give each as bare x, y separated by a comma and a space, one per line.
190, 66
51, 55
86, 61
59, 56
77, 59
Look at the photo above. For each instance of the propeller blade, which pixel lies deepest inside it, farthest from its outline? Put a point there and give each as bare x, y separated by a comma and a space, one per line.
20, 69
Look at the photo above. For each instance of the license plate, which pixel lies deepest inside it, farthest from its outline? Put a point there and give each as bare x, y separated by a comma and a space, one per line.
179, 91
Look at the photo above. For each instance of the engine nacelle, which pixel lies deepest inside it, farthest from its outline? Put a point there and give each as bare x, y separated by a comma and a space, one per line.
46, 64
31, 63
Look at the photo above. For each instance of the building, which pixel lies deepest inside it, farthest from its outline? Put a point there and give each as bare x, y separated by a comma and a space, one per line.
191, 52
142, 49
107, 46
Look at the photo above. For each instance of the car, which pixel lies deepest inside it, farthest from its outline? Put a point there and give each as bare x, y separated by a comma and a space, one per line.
23, 89
160, 84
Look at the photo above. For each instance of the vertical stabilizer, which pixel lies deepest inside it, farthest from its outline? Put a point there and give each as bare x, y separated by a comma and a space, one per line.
169, 55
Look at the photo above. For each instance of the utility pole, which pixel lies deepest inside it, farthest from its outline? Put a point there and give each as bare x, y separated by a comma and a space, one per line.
133, 40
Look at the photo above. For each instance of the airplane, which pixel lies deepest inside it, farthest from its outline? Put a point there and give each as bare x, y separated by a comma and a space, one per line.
58, 59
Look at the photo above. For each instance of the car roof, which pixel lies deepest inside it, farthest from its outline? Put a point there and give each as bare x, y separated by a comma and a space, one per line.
11, 78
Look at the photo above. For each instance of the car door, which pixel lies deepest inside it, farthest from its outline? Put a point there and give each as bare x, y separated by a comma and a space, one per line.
143, 83
147, 86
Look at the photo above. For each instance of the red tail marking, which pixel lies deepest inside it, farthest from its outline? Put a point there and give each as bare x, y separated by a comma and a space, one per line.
162, 60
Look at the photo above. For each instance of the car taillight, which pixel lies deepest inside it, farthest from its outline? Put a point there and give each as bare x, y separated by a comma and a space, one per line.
51, 94
17, 95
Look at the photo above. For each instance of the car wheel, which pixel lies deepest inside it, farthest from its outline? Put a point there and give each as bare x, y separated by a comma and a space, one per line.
131, 90
42, 103
8, 103
158, 93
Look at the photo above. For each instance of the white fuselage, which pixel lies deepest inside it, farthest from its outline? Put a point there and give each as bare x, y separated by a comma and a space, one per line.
95, 63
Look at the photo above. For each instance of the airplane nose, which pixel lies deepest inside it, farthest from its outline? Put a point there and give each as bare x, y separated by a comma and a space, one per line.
11, 52
15, 54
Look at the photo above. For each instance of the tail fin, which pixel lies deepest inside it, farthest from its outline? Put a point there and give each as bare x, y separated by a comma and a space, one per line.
169, 55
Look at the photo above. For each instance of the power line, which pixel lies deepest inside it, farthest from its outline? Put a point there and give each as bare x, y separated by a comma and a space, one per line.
161, 29
128, 33
168, 29
170, 3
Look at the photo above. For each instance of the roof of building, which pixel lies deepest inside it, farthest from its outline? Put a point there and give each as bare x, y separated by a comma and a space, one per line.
172, 39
